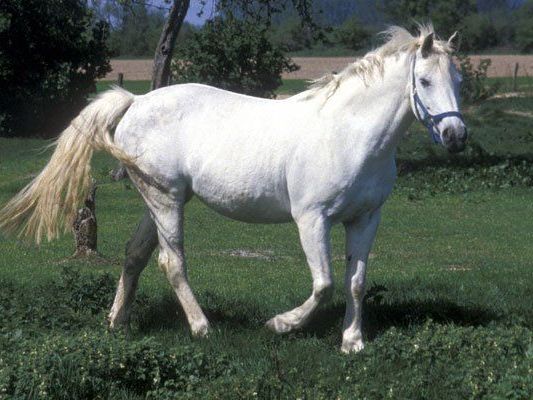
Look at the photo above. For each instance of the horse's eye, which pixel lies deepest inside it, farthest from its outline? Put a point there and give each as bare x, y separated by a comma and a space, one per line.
424, 82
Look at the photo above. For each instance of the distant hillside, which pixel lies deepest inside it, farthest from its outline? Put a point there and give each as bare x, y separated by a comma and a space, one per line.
335, 12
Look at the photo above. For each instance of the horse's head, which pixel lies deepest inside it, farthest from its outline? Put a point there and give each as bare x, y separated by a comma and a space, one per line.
435, 93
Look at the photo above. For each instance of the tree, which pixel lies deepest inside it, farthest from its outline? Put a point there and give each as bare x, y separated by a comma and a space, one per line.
232, 54
167, 41
352, 34
259, 12
51, 52
138, 30
478, 32
446, 15
524, 27
291, 35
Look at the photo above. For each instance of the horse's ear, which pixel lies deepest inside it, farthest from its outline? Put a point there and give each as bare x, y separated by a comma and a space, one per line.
453, 41
427, 45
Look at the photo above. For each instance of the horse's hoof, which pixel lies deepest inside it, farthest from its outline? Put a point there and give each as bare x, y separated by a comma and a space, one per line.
352, 347
114, 323
200, 330
277, 325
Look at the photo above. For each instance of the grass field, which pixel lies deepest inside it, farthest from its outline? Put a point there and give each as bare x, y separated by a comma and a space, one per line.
289, 86
447, 314
293, 86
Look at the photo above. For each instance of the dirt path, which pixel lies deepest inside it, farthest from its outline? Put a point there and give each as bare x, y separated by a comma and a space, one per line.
314, 67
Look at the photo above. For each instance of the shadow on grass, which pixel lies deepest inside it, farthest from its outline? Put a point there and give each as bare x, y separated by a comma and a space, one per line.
165, 313
378, 318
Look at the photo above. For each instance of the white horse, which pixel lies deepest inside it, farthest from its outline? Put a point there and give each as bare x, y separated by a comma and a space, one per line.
319, 158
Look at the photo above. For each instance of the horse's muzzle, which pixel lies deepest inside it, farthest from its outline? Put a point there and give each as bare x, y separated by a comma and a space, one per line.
454, 139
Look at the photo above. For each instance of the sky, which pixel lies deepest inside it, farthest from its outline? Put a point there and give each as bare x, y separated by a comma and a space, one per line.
195, 7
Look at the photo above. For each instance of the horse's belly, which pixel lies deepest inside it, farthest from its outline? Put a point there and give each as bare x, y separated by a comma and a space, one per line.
265, 204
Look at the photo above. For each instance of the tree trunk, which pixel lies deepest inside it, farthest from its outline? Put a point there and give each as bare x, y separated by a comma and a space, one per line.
167, 40
85, 228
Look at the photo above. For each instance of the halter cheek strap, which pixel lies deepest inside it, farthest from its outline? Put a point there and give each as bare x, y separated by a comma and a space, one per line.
429, 120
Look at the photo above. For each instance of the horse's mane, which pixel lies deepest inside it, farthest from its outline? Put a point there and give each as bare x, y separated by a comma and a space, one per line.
397, 40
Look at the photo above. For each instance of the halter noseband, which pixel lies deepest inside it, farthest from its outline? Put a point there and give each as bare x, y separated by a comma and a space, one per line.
429, 120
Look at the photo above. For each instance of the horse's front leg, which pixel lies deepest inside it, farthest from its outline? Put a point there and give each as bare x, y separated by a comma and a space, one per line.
360, 236
314, 235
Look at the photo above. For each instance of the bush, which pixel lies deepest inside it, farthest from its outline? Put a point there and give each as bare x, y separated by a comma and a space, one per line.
51, 53
139, 31
71, 301
291, 35
524, 27
446, 15
450, 177
478, 33
234, 55
93, 365
352, 34
474, 87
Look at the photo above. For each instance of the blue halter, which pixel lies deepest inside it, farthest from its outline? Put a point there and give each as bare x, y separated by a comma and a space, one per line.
429, 120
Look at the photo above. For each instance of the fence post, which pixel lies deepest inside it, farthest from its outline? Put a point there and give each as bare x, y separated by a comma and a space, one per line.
515, 76
120, 79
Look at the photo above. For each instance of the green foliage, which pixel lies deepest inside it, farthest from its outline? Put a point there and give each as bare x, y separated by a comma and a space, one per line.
474, 87
138, 32
291, 35
478, 32
76, 300
414, 356
51, 54
98, 365
232, 54
446, 15
445, 176
524, 27
352, 34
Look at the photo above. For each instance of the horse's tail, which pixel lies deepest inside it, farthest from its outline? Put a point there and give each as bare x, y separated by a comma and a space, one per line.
48, 204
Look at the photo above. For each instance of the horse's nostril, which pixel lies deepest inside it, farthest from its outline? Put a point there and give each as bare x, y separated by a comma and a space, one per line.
446, 133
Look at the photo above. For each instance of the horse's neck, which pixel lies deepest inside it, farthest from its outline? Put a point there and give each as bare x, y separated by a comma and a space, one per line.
383, 106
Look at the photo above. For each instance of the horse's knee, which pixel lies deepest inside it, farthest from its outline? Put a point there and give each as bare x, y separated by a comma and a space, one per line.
163, 260
171, 266
323, 291
355, 287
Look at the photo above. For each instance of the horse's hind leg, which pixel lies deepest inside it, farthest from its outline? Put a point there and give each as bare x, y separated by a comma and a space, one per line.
138, 251
167, 212
314, 236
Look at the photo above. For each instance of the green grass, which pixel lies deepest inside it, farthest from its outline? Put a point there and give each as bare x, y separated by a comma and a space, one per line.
294, 86
448, 313
289, 86
506, 84
137, 87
